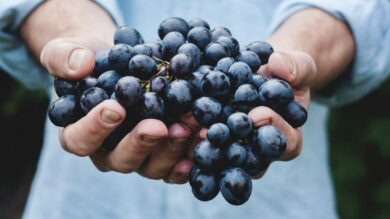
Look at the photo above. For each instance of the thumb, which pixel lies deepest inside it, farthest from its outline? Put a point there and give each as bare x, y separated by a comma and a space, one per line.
297, 68
71, 58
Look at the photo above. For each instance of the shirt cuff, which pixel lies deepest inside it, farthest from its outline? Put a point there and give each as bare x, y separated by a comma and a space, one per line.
370, 25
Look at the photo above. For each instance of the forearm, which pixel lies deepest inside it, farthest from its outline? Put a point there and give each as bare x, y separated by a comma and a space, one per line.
66, 18
327, 39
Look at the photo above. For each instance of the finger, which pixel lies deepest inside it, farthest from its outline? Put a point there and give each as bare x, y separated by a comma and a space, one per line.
86, 135
190, 121
261, 116
297, 68
180, 172
164, 158
136, 146
71, 58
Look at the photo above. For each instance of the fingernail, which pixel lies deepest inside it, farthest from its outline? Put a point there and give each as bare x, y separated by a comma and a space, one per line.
151, 139
110, 117
177, 144
77, 58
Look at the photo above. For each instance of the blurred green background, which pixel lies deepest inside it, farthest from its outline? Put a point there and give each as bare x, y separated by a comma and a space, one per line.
359, 152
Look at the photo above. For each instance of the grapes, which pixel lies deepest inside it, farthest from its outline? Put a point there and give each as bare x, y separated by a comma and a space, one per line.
190, 69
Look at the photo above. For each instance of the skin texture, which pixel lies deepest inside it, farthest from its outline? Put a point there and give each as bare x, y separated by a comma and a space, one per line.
67, 51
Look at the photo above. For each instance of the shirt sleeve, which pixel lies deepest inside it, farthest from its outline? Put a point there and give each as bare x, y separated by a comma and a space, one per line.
370, 25
15, 58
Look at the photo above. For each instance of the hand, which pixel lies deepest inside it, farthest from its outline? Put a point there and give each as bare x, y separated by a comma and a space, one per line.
155, 152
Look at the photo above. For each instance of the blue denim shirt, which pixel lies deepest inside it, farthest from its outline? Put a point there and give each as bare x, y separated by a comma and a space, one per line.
66, 186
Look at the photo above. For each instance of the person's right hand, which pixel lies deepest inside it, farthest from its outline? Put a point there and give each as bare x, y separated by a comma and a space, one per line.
152, 149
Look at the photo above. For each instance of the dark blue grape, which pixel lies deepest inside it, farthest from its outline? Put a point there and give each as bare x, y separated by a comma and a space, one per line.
157, 49
227, 110
178, 96
142, 49
142, 67
253, 162
249, 58
231, 43
218, 32
158, 85
214, 52
101, 62
235, 154
294, 114
199, 36
218, 134
206, 111
198, 22
92, 97
270, 141
258, 80
207, 156
173, 24
276, 94
205, 186
65, 110
171, 43
262, 49
66, 87
153, 106
128, 91
217, 85
119, 57
181, 65
87, 82
240, 125
192, 51
108, 80
204, 69
239, 74
195, 80
127, 35
235, 186
224, 64
246, 98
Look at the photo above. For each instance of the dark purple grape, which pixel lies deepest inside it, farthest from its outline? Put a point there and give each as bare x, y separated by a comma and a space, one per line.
66, 87
270, 141
205, 186
276, 94
128, 91
65, 110
108, 80
158, 85
142, 49
101, 62
224, 64
231, 43
127, 35
182, 65
199, 36
235, 186
249, 58
198, 22
208, 157
258, 80
240, 125
214, 52
142, 67
119, 57
173, 24
217, 85
153, 106
171, 43
87, 82
235, 154
192, 51
206, 111
157, 49
239, 74
262, 49
246, 98
204, 69
218, 32
195, 80
294, 114
91, 98
218, 134
179, 97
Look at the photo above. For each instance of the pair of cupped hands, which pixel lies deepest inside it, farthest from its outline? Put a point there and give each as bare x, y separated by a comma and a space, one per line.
152, 149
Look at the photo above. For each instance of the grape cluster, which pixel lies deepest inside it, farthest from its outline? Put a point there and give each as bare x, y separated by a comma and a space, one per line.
190, 69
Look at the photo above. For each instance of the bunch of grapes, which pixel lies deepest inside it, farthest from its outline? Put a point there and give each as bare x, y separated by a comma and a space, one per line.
190, 69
